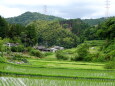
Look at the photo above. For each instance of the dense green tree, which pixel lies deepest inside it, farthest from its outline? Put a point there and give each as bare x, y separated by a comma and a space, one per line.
107, 29
30, 35
3, 27
77, 26
90, 33
15, 30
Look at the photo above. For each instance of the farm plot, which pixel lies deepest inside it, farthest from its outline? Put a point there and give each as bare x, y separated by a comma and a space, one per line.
109, 74
66, 64
30, 81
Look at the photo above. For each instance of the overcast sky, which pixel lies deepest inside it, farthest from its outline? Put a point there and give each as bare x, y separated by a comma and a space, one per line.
61, 8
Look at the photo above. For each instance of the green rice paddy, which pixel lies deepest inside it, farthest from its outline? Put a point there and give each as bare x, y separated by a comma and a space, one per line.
56, 73
27, 81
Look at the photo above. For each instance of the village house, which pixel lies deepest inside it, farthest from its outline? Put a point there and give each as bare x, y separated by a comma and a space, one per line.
58, 47
11, 44
41, 48
52, 49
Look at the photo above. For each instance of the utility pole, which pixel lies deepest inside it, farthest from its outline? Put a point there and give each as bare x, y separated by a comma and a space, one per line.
107, 8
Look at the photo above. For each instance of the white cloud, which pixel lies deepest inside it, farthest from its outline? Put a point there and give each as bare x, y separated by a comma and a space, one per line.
37, 2
62, 8
10, 12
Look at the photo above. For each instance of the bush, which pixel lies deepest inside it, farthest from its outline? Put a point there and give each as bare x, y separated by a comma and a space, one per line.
19, 48
2, 59
36, 53
95, 42
25, 60
90, 57
61, 56
28, 49
110, 65
110, 56
17, 57
20, 58
100, 57
48, 53
109, 46
82, 52
96, 57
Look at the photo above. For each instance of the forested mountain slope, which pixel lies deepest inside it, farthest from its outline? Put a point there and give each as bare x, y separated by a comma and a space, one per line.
93, 22
28, 17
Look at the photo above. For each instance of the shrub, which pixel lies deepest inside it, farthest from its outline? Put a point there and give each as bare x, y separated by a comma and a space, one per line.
19, 48
110, 56
109, 46
28, 49
95, 42
25, 60
74, 57
90, 57
48, 53
20, 58
36, 53
17, 57
82, 52
101, 57
110, 65
96, 57
2, 59
61, 56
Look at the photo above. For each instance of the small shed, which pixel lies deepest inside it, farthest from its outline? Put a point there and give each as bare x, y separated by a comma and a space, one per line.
41, 48
58, 47
53, 49
11, 44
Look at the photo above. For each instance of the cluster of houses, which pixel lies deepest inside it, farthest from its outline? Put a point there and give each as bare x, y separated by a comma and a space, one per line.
41, 48
52, 49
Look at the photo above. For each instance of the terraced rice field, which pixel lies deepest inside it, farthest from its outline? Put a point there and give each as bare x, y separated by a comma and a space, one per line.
42, 73
59, 71
27, 81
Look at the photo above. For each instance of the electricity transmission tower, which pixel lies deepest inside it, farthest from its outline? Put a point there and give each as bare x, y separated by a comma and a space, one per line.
107, 13
45, 9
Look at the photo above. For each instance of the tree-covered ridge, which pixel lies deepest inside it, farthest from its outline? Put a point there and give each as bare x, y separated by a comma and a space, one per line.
93, 22
28, 17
